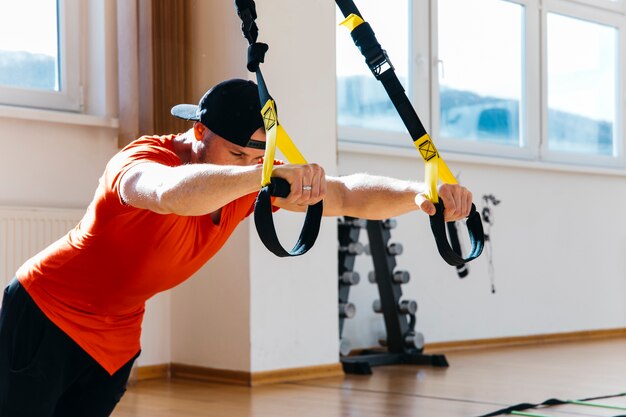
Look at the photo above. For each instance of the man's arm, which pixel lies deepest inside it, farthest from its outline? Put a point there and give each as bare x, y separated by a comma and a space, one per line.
198, 189
375, 197
187, 190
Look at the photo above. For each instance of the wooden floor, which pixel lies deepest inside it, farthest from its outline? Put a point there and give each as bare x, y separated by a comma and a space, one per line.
477, 382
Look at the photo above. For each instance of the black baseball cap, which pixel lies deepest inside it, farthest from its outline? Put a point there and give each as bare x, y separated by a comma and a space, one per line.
231, 109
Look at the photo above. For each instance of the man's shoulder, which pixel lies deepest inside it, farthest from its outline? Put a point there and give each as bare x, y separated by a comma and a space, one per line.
156, 141
155, 148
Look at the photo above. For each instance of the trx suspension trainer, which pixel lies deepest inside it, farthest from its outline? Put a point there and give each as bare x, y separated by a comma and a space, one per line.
275, 136
378, 62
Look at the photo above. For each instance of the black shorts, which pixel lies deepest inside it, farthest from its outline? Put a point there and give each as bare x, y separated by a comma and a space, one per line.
43, 372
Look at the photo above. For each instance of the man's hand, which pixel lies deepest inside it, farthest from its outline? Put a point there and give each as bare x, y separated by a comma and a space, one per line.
308, 183
457, 201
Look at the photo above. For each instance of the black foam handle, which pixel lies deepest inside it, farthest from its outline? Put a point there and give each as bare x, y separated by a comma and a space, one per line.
264, 221
474, 228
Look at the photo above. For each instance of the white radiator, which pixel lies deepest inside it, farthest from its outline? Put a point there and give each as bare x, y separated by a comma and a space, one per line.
24, 231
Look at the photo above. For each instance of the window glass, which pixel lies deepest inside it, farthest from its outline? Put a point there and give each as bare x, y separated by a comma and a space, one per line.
361, 99
582, 85
29, 52
480, 70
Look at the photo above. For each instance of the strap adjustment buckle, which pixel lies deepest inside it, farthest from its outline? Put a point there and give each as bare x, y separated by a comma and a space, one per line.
379, 63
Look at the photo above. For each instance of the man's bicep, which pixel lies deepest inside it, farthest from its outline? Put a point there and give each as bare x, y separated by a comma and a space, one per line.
141, 184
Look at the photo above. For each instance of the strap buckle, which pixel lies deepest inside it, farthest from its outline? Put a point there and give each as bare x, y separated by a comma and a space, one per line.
379, 64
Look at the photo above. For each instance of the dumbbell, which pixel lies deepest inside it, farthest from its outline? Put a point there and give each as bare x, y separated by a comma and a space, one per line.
390, 223
355, 248
413, 339
407, 306
395, 249
404, 306
399, 277
349, 278
392, 249
347, 310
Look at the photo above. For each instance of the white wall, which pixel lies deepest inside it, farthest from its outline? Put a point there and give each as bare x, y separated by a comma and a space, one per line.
294, 307
55, 158
210, 312
558, 250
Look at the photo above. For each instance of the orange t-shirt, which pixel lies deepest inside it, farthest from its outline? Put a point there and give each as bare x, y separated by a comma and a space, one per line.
93, 282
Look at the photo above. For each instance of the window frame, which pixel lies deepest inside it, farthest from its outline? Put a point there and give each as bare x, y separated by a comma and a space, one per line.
616, 6
69, 96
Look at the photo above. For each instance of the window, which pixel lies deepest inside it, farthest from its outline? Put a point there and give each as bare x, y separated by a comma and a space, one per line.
582, 87
361, 100
480, 71
525, 79
39, 54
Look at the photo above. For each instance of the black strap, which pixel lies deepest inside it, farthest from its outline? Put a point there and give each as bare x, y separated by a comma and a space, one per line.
474, 228
380, 65
264, 221
246, 10
263, 214
461, 270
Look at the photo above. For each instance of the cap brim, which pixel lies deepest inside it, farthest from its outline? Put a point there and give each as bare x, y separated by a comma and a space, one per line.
185, 111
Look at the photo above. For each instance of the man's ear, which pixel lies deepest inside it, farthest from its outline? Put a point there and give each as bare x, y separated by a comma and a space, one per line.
199, 130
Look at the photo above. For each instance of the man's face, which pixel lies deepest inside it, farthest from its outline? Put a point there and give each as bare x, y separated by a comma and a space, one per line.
219, 151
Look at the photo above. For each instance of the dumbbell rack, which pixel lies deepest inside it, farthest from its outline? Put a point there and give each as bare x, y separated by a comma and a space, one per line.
403, 344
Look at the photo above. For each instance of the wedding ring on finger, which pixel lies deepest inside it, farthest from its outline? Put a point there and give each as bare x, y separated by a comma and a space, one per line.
306, 188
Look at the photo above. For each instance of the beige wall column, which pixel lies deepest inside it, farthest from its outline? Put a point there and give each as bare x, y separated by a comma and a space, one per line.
248, 310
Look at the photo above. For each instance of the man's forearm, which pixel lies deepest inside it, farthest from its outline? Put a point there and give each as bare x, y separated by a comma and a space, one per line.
375, 197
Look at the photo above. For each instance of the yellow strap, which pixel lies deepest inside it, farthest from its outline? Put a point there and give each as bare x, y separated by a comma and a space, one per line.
276, 135
352, 21
288, 148
436, 167
271, 123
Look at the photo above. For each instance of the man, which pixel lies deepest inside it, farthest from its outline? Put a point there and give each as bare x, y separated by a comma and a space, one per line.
71, 320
